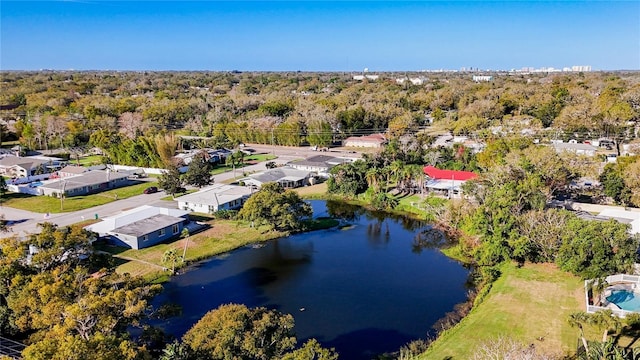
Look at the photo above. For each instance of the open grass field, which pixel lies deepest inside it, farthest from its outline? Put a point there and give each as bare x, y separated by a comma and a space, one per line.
312, 192
531, 304
48, 204
89, 160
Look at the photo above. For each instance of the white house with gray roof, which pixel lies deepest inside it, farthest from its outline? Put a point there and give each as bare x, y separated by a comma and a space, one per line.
141, 227
320, 164
90, 182
16, 166
580, 149
287, 177
632, 218
214, 198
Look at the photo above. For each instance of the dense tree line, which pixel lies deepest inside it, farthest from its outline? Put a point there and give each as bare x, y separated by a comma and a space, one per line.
62, 109
506, 215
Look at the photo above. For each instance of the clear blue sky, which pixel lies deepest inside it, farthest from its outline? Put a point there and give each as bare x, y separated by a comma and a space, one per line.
317, 36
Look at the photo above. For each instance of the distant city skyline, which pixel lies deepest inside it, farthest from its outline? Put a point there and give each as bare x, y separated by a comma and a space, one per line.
318, 36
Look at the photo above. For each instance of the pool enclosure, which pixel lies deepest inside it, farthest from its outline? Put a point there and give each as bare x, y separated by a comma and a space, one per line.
619, 293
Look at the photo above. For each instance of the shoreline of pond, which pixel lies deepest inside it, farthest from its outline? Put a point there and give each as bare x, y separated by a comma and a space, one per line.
341, 209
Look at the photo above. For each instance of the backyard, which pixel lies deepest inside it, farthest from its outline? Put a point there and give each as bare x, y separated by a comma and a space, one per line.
530, 304
222, 236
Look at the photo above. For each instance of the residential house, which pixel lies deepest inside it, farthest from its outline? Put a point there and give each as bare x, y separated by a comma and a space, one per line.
580, 149
479, 78
214, 198
90, 182
141, 227
624, 216
287, 177
17, 166
72, 170
319, 164
447, 181
367, 141
368, 77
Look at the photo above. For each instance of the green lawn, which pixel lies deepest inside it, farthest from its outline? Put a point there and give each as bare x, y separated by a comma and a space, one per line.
417, 205
88, 160
48, 204
528, 304
318, 191
223, 236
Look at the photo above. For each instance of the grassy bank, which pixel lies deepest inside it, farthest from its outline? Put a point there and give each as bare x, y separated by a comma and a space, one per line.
531, 304
49, 204
222, 236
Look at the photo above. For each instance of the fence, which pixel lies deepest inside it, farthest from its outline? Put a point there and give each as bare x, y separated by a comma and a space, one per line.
610, 280
154, 171
10, 348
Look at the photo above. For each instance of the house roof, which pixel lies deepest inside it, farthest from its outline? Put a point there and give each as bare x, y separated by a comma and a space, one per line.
93, 177
216, 194
147, 225
320, 161
437, 174
283, 173
24, 162
374, 138
74, 169
108, 224
624, 216
572, 146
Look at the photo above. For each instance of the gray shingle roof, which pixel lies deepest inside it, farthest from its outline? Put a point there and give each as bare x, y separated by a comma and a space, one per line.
148, 225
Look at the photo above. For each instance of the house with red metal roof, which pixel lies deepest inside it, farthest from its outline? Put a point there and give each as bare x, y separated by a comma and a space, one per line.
447, 181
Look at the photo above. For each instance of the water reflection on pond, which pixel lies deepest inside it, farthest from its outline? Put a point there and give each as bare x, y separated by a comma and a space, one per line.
364, 289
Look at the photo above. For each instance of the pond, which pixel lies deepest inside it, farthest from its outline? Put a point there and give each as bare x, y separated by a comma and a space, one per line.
365, 289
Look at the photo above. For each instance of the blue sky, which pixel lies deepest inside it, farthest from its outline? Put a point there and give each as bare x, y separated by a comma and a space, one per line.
317, 36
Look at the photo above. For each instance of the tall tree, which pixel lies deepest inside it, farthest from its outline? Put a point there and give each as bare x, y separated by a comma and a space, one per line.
282, 209
198, 174
170, 180
170, 257
234, 331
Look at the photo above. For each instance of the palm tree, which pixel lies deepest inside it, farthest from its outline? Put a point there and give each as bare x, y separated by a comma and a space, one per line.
373, 177
170, 256
176, 351
432, 158
579, 319
395, 169
606, 320
411, 172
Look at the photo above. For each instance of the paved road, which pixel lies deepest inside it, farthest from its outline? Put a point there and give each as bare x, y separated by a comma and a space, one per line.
25, 222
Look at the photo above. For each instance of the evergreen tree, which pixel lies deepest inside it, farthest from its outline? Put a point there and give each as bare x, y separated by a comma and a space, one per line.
198, 173
170, 180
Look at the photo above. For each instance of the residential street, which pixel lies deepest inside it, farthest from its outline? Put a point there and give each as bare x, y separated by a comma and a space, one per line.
25, 222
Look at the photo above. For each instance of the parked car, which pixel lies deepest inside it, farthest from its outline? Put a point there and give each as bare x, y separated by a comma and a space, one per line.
150, 190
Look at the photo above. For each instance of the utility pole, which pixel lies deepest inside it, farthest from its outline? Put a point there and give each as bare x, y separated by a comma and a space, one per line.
63, 184
273, 147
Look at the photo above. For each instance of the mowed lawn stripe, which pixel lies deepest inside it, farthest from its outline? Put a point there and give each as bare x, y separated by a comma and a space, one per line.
530, 304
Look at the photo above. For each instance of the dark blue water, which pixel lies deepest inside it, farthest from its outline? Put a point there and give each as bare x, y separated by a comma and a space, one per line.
367, 289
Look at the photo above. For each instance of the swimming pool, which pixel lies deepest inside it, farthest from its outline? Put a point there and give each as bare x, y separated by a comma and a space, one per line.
625, 299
